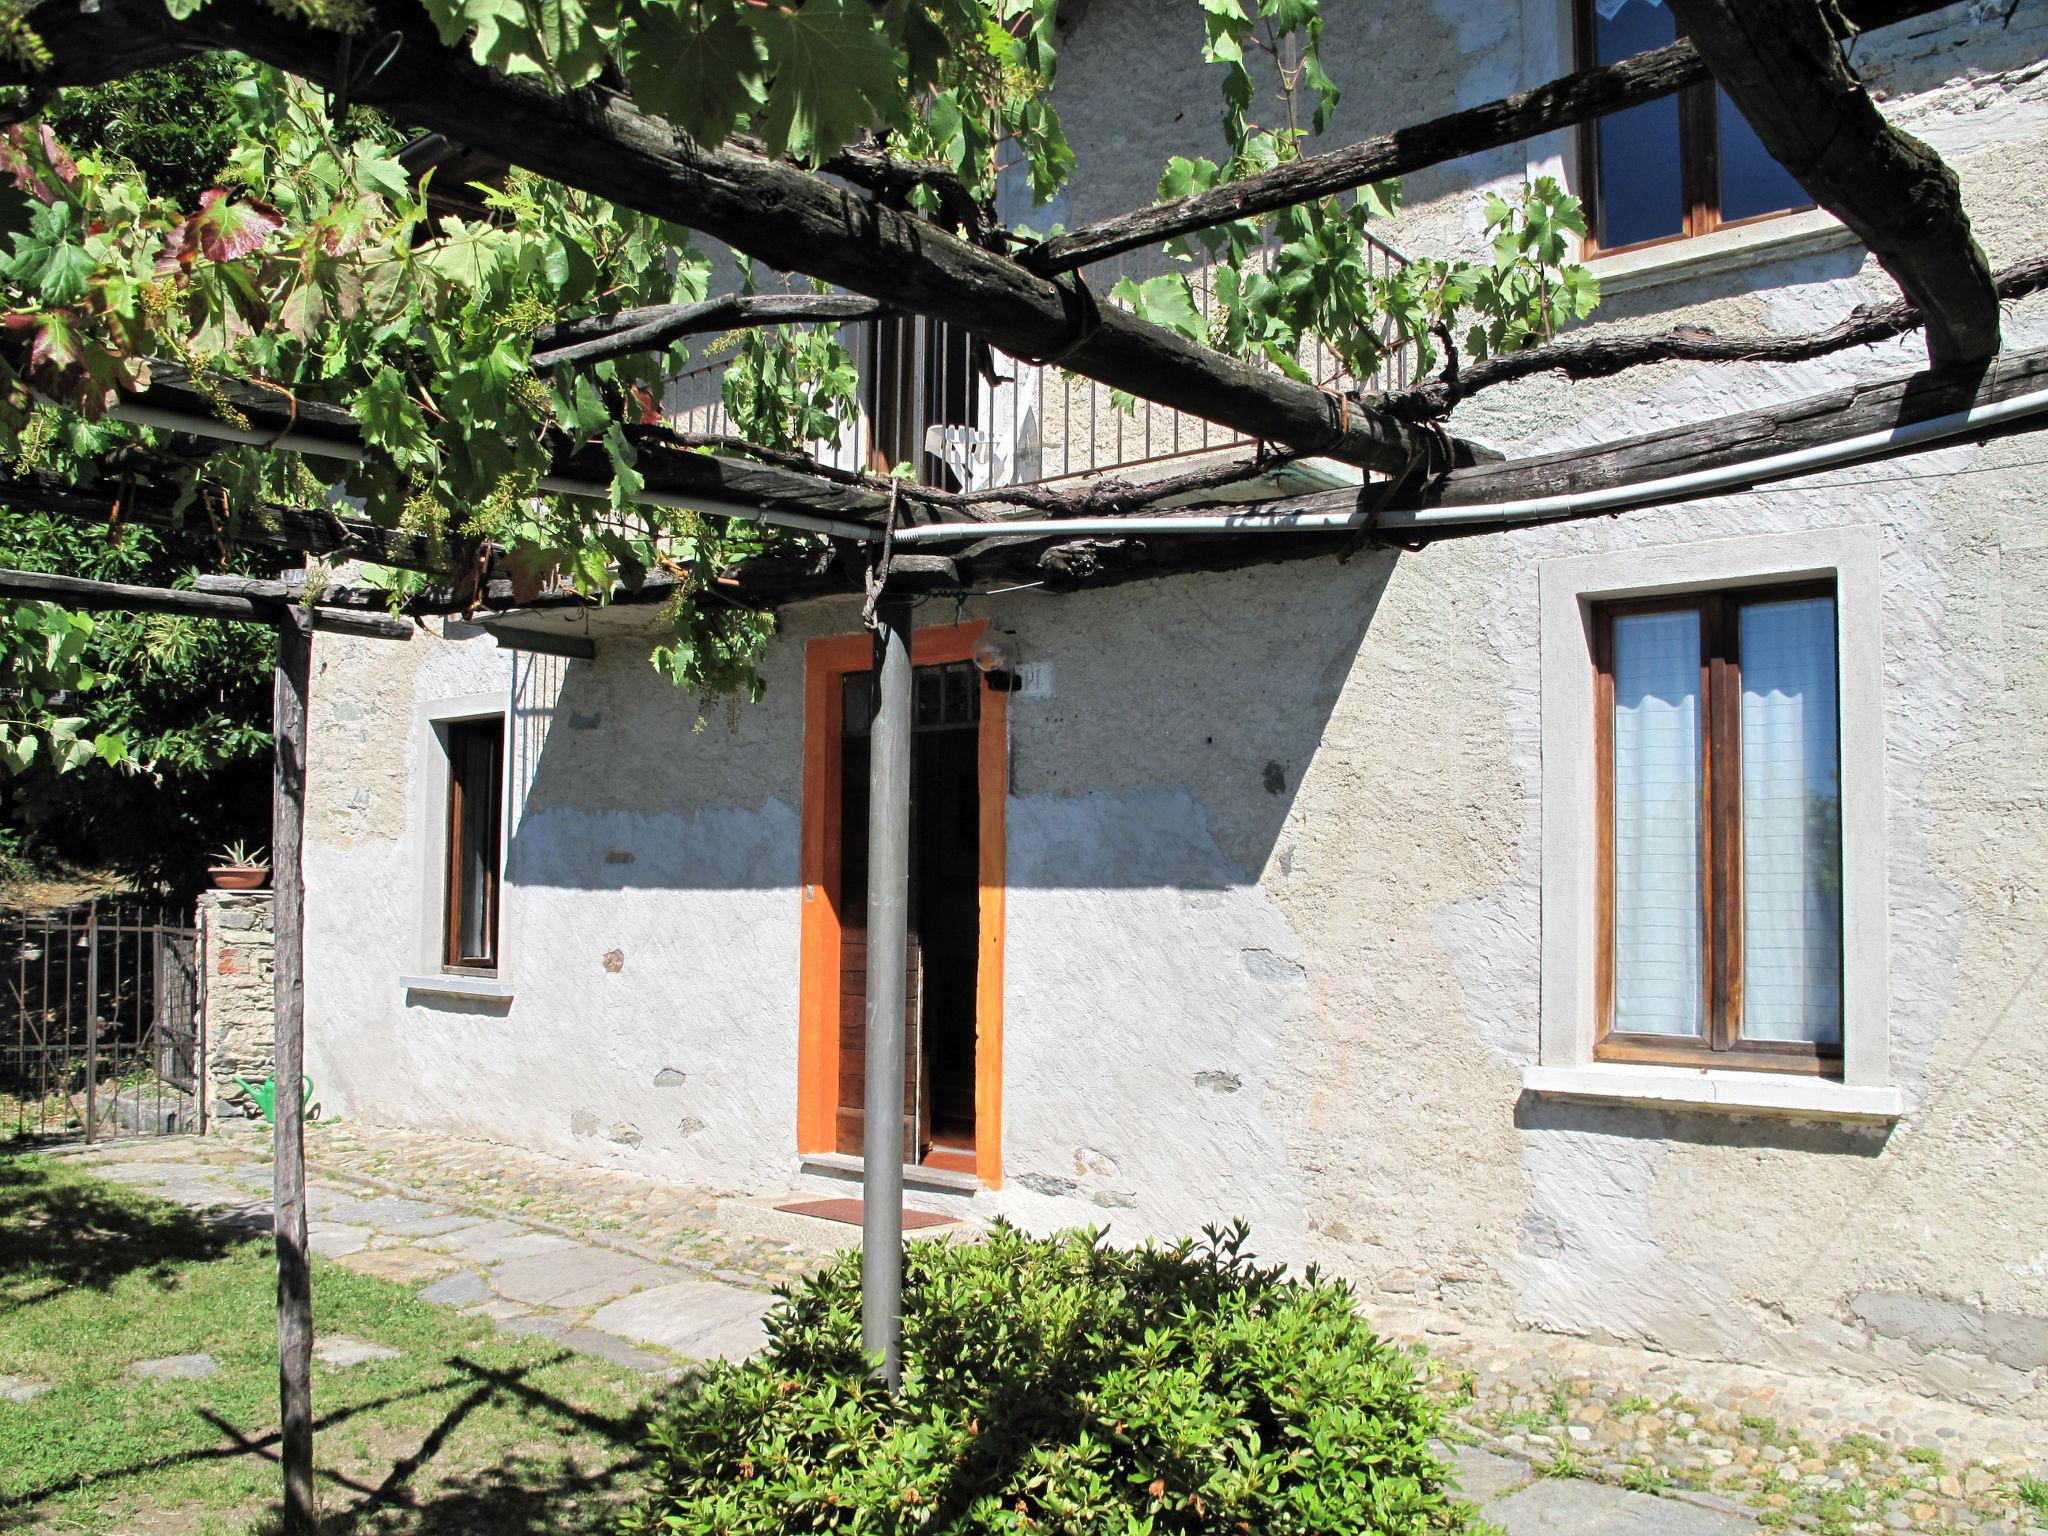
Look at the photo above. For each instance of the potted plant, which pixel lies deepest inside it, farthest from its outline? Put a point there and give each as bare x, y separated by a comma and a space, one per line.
241, 868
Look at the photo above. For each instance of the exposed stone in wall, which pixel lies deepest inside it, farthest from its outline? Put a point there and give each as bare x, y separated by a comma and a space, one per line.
238, 1001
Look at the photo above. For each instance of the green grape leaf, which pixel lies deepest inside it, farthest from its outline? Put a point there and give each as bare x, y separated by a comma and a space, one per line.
701, 73
1165, 301
834, 74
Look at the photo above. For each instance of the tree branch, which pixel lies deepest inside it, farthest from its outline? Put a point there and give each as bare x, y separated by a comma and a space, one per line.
1593, 357
1780, 65
654, 326
1560, 103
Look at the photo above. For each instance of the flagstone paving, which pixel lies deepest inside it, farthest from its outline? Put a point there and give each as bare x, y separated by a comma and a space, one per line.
1546, 1434
587, 1295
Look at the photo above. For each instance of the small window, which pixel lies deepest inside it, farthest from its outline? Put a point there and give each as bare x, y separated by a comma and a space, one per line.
475, 758
1680, 165
1720, 820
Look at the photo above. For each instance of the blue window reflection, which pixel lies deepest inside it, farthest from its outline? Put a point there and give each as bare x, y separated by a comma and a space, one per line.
1752, 183
1643, 153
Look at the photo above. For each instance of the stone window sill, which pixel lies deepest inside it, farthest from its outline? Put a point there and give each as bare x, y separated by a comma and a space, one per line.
485, 988
1706, 1088
1725, 250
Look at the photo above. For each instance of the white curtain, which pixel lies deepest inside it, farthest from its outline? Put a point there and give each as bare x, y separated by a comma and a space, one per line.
1791, 824
1657, 888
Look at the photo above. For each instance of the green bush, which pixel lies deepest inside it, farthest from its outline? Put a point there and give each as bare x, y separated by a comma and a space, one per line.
1061, 1385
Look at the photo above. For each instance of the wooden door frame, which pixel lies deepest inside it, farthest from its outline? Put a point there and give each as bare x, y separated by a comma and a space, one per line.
827, 662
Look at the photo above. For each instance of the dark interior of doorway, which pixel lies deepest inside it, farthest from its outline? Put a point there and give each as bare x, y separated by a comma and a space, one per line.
945, 915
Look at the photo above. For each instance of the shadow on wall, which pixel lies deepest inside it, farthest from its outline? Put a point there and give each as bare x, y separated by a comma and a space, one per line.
1637, 1122
1187, 712
1740, 281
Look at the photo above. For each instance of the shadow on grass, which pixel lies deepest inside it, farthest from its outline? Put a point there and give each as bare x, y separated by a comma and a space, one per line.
523, 1491
59, 1234
515, 1495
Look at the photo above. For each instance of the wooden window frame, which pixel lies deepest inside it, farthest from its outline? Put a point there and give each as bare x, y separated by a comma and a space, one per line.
452, 958
827, 661
1699, 159
1720, 738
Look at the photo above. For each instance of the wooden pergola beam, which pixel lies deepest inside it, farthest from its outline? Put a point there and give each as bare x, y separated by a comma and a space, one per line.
112, 596
654, 326
597, 140
1876, 405
744, 488
1781, 66
1561, 103
304, 530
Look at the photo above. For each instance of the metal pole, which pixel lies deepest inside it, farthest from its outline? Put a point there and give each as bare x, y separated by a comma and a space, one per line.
881, 1269
92, 1023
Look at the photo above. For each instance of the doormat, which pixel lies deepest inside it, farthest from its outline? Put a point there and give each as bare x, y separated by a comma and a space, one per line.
849, 1212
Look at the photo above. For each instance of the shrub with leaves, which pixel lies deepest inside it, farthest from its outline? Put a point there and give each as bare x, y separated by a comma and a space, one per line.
1058, 1384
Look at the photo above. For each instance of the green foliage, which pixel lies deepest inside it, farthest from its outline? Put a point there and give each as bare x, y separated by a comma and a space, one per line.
315, 267
182, 706
42, 659
2033, 1493
1307, 273
1646, 1477
175, 124
1061, 1385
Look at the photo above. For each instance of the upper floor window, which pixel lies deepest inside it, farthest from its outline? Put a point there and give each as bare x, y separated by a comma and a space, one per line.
1680, 165
1718, 755
476, 751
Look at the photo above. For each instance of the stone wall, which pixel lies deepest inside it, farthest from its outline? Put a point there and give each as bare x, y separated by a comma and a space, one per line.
237, 1002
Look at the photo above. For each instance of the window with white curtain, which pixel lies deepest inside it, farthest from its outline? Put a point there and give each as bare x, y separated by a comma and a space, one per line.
1718, 750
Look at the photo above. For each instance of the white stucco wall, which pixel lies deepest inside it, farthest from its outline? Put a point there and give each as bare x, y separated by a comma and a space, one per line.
1274, 845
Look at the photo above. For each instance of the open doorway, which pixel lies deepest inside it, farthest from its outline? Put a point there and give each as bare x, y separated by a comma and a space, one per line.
953, 989
944, 918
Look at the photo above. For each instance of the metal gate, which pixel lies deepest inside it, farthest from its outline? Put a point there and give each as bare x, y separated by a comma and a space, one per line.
99, 1023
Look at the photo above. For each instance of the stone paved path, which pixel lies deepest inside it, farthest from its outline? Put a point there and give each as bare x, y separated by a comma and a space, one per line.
640, 1312
1549, 1434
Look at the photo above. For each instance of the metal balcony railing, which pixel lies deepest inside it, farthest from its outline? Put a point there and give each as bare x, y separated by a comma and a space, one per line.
926, 399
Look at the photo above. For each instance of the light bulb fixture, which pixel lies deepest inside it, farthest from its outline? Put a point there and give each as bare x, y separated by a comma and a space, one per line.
993, 659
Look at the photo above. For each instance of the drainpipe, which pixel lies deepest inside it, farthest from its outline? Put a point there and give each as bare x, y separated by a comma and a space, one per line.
889, 747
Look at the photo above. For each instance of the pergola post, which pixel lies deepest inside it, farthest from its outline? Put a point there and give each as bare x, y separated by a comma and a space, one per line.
881, 1265
288, 1170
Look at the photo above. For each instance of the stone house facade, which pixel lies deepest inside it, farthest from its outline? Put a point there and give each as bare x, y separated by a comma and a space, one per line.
1290, 893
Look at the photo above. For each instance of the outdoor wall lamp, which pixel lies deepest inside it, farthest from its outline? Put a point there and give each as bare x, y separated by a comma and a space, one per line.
993, 660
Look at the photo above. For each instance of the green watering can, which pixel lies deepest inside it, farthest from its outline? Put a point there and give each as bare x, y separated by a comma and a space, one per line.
265, 1094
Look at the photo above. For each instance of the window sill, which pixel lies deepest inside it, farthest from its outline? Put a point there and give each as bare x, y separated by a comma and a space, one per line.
1725, 250
485, 988
1705, 1088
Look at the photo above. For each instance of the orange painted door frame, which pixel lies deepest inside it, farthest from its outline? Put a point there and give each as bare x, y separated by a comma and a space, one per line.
827, 662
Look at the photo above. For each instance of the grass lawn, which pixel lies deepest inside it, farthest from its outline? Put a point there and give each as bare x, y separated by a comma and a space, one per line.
468, 1430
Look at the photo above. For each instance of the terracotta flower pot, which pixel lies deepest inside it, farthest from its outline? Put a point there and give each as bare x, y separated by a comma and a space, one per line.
238, 877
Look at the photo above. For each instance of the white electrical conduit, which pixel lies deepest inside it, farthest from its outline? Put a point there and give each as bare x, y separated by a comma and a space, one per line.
313, 446
1700, 482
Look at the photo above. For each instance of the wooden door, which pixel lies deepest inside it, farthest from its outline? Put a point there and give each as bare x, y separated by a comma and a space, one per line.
851, 1122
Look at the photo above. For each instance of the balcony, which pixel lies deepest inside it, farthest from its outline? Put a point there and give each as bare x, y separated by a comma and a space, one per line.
970, 423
